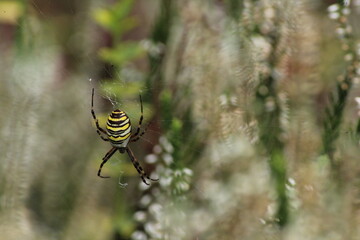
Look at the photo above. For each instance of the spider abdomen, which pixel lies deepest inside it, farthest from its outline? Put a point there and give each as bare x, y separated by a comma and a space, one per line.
118, 128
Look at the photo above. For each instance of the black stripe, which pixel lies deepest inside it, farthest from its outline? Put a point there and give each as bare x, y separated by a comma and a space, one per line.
121, 133
117, 141
117, 115
116, 123
116, 133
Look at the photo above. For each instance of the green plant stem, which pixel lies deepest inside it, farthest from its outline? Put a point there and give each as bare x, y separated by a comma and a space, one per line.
269, 133
159, 36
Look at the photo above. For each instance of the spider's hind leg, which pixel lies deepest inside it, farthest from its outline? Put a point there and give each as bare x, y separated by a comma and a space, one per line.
138, 167
105, 159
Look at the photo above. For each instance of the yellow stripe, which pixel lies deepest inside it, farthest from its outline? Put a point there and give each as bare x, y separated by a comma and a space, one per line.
119, 137
117, 119
115, 129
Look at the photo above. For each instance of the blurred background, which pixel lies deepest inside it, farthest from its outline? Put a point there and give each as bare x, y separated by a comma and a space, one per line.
251, 111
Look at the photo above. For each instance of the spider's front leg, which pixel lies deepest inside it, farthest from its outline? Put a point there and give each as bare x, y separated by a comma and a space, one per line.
134, 137
99, 130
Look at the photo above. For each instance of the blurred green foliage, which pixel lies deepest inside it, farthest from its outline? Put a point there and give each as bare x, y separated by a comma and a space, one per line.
253, 130
117, 20
121, 53
118, 90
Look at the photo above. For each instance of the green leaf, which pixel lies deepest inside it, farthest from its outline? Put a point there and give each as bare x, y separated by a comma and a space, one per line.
122, 91
11, 11
124, 25
115, 19
103, 18
122, 53
122, 8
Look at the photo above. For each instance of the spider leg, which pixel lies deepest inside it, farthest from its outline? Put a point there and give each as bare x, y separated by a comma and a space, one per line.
138, 167
105, 159
99, 130
140, 121
135, 138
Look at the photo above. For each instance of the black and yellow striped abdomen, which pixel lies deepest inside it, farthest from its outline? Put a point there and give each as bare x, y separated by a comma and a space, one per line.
118, 128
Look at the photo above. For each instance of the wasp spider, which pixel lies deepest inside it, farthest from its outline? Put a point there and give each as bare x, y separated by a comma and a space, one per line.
118, 133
